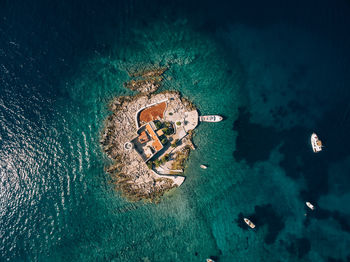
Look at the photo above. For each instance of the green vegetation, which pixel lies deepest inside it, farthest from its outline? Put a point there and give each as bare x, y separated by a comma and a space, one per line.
158, 124
164, 141
175, 143
168, 128
178, 123
180, 159
167, 131
161, 161
165, 158
157, 162
170, 114
150, 164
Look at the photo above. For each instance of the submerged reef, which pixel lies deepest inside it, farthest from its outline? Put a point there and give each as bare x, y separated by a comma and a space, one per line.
148, 137
145, 81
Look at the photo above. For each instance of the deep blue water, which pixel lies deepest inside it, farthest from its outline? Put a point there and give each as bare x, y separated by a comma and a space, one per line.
277, 71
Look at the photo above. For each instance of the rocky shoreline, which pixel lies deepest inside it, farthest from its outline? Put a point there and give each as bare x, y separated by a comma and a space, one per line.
134, 176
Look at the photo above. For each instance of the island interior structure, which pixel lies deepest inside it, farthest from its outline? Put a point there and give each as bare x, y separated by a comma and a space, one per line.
149, 138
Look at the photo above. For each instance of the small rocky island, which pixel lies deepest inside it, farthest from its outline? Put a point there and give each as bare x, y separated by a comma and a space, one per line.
148, 137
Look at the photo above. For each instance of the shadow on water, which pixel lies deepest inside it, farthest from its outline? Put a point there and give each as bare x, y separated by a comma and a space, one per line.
300, 247
255, 143
330, 259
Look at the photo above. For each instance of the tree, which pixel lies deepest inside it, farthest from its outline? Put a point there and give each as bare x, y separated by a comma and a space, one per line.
150, 164
178, 123
167, 131
166, 158
158, 124
157, 162
164, 140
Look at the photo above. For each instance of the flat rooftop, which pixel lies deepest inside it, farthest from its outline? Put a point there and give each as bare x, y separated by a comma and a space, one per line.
153, 112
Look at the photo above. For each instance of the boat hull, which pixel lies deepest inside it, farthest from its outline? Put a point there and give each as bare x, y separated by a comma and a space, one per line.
211, 118
249, 223
316, 143
309, 205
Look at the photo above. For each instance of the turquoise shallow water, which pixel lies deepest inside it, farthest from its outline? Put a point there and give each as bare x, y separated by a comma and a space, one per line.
275, 78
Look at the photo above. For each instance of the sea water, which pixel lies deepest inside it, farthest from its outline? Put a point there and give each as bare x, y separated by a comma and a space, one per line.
276, 71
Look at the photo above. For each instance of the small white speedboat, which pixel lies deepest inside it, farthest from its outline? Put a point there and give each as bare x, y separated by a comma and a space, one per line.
309, 205
203, 166
209, 260
249, 223
211, 118
316, 143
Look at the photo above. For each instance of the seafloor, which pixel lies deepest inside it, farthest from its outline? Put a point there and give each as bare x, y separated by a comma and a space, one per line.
276, 70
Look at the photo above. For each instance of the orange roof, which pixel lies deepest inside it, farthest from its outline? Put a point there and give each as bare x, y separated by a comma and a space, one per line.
150, 130
156, 143
153, 112
143, 137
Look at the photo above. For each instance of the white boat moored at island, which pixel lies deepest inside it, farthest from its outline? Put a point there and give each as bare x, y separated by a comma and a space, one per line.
249, 223
309, 205
316, 143
203, 166
211, 118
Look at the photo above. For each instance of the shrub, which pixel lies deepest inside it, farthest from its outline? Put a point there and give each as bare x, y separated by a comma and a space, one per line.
163, 141
178, 123
170, 114
157, 163
158, 124
167, 131
173, 145
150, 164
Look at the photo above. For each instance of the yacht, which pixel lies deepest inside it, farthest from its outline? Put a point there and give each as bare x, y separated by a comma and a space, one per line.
249, 223
211, 118
316, 143
309, 205
203, 166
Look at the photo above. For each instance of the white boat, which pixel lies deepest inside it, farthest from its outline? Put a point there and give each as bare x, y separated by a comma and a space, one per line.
210, 260
249, 223
316, 143
309, 205
211, 118
203, 166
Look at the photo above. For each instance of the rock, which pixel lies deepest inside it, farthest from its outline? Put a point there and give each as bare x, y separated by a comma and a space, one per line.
130, 173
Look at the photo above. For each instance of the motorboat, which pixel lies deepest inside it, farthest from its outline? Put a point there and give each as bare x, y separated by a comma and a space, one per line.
211, 118
316, 143
309, 205
209, 260
203, 166
249, 223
